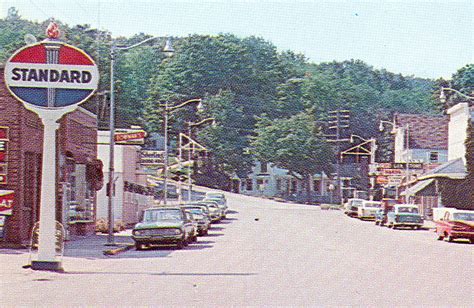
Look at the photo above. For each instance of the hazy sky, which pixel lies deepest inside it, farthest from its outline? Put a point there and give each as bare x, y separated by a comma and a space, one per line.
421, 38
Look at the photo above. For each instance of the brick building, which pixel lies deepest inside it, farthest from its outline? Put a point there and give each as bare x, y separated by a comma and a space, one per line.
78, 173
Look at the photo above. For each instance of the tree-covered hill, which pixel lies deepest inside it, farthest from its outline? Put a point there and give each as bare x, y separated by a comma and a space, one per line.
244, 83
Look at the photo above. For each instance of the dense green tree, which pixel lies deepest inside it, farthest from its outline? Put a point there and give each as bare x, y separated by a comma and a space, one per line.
227, 138
293, 144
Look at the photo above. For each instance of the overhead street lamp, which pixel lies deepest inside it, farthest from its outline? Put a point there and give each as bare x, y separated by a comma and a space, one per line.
190, 126
442, 96
168, 50
167, 110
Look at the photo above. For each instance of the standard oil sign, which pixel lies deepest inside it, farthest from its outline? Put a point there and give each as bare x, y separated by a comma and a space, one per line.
51, 74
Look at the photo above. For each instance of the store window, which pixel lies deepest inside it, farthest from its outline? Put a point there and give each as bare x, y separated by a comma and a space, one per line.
317, 186
278, 185
434, 157
249, 184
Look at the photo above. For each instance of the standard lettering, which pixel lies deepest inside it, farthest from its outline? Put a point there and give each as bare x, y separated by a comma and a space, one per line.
51, 75
16, 74
86, 77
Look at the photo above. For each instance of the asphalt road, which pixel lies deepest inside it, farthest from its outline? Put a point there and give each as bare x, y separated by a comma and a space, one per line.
265, 254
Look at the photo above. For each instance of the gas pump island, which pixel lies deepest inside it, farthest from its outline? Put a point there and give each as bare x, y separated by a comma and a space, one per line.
51, 78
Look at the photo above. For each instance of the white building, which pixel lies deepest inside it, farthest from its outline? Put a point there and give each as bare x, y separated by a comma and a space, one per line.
459, 116
131, 193
270, 181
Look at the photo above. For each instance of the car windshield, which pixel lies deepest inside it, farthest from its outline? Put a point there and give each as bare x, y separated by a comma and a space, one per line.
407, 210
217, 200
162, 214
463, 216
195, 211
372, 204
215, 195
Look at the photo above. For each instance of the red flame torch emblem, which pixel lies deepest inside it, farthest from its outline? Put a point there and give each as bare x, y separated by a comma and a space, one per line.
53, 30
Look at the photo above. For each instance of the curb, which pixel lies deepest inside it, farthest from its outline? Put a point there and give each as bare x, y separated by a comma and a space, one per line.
115, 251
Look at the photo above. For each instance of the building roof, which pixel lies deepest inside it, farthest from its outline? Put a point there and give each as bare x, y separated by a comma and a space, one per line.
454, 169
425, 132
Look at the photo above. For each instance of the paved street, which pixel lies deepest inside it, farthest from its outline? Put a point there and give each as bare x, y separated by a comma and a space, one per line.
266, 253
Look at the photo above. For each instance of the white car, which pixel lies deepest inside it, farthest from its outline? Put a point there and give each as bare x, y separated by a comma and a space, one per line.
222, 203
350, 208
368, 209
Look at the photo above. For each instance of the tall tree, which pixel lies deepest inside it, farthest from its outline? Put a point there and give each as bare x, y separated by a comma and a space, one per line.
293, 144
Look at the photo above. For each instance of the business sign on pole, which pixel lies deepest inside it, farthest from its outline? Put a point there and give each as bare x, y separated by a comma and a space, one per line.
7, 198
3, 154
51, 74
130, 137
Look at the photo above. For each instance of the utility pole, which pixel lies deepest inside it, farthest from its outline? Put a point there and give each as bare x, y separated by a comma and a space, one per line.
339, 119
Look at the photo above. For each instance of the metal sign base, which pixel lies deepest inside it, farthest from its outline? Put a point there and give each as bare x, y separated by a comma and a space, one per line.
55, 266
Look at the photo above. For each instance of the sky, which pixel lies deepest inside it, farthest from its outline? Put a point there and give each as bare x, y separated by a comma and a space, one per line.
428, 39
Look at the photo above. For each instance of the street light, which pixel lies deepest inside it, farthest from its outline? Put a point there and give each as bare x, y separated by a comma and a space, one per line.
190, 126
442, 96
168, 50
167, 110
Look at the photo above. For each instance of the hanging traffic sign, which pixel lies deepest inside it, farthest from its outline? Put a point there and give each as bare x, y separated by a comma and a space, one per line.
51, 74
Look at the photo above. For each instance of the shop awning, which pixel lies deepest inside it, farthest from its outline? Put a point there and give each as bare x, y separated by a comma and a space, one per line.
416, 188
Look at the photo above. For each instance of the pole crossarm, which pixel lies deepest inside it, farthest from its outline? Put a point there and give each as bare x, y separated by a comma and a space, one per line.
187, 146
358, 147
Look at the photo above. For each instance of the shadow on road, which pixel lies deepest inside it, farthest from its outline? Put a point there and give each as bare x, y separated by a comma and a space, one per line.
215, 234
213, 228
157, 274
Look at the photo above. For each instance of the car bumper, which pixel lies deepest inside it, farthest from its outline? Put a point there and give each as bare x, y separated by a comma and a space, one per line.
408, 224
462, 234
158, 239
367, 216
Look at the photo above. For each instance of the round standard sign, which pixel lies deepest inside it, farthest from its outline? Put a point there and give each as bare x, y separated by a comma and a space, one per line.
51, 74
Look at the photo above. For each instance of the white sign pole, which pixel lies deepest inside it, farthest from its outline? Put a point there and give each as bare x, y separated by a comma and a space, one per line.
47, 223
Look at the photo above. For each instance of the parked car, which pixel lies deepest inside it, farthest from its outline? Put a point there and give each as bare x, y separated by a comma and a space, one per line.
164, 225
368, 209
456, 224
404, 215
213, 194
351, 207
221, 203
202, 219
381, 213
215, 211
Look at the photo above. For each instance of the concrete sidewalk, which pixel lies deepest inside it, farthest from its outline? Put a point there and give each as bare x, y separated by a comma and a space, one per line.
96, 246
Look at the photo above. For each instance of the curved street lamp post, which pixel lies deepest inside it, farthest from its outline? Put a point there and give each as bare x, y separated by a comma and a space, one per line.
168, 50
167, 110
